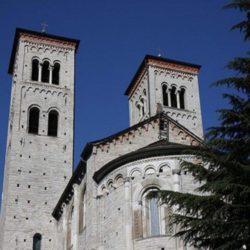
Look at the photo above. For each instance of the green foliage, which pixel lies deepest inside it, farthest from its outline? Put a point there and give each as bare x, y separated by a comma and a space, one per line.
217, 216
244, 26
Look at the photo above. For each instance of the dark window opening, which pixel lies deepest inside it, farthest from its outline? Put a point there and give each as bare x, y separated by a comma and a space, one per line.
35, 70
182, 99
53, 123
33, 120
173, 97
45, 72
142, 107
55, 74
37, 240
165, 95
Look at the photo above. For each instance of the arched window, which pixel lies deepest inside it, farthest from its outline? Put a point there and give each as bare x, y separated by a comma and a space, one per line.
35, 70
165, 95
156, 216
37, 240
153, 215
173, 97
182, 98
53, 123
45, 72
33, 125
55, 74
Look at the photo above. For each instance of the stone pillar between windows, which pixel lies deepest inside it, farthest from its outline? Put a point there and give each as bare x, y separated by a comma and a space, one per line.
75, 224
39, 72
178, 99
128, 214
50, 74
169, 97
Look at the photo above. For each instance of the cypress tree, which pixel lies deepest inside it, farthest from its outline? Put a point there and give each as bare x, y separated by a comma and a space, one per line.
218, 215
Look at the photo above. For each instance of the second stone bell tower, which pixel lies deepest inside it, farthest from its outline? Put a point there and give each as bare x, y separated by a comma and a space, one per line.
162, 84
39, 153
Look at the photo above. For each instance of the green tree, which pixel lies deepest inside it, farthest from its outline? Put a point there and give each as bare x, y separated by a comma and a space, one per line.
218, 217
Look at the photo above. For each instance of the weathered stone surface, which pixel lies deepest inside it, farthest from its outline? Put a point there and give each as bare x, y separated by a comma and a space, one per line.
37, 167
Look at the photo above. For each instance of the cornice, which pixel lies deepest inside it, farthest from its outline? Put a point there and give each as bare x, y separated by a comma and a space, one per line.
46, 86
173, 66
48, 43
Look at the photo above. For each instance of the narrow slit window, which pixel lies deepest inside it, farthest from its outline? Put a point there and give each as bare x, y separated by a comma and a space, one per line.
53, 123
165, 95
173, 97
37, 240
33, 125
55, 74
182, 98
35, 70
45, 72
143, 110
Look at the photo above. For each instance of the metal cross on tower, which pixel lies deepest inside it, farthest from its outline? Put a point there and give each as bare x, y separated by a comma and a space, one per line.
44, 26
159, 52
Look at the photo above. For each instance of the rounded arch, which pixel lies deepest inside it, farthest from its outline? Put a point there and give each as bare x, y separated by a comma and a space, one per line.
173, 85
151, 186
110, 183
149, 170
104, 190
119, 180
56, 61
54, 108
164, 168
135, 173
46, 59
36, 58
164, 83
34, 105
182, 87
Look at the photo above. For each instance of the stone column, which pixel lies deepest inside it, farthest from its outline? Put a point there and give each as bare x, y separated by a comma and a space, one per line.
39, 72
128, 214
75, 224
178, 99
50, 74
169, 97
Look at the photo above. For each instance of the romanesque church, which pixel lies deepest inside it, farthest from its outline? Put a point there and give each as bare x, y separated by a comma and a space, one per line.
105, 203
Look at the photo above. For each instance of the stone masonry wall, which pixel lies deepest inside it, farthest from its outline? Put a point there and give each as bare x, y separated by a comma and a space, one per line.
37, 167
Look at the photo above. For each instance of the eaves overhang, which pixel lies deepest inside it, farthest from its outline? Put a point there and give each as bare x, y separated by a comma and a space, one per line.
20, 31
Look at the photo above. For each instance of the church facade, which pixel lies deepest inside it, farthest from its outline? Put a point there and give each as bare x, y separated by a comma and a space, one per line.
105, 203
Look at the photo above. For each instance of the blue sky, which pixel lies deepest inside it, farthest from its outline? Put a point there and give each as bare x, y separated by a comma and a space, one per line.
115, 36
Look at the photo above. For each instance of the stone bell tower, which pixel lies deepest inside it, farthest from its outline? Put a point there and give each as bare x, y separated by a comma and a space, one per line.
162, 84
39, 153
